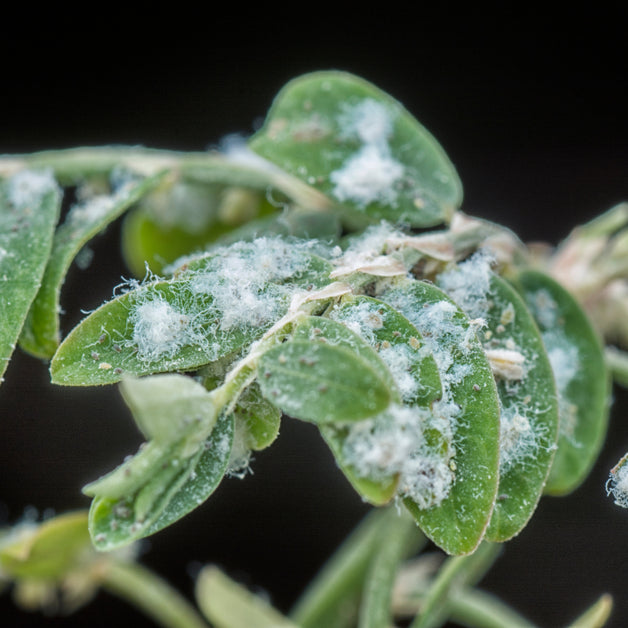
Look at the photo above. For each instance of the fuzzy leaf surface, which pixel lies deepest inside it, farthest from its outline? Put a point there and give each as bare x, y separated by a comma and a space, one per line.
413, 369
338, 381
582, 379
217, 305
525, 384
360, 147
29, 209
469, 404
40, 336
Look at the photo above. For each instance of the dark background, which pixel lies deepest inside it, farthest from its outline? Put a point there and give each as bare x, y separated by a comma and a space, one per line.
531, 107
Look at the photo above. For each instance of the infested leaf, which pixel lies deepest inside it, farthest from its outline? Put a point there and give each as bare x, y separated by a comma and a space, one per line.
582, 379
217, 305
469, 406
30, 202
525, 384
412, 367
346, 138
40, 336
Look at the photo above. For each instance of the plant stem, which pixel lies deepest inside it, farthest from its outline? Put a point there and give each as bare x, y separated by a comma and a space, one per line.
595, 616
395, 537
73, 165
617, 362
341, 575
340, 580
151, 594
456, 570
477, 609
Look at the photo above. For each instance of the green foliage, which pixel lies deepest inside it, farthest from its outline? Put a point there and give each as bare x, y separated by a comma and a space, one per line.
30, 202
445, 370
357, 145
582, 379
458, 523
40, 335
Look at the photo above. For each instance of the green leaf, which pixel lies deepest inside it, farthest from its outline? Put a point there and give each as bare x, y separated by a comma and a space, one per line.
217, 305
525, 384
180, 218
204, 479
583, 382
171, 488
338, 381
257, 418
48, 550
397, 342
226, 604
360, 147
469, 406
40, 336
413, 369
167, 407
29, 209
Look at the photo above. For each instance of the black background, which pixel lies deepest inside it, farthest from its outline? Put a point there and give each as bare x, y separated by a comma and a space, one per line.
531, 107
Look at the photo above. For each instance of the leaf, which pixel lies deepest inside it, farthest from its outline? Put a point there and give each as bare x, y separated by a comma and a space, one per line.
48, 550
226, 604
413, 370
204, 480
360, 147
258, 418
525, 384
168, 407
40, 336
172, 488
397, 342
469, 405
339, 381
29, 209
583, 382
181, 217
321, 383
217, 305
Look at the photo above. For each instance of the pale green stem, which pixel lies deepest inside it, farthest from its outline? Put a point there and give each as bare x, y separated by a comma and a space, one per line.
152, 595
341, 577
228, 604
376, 607
73, 165
595, 616
617, 362
476, 609
456, 570
606, 224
